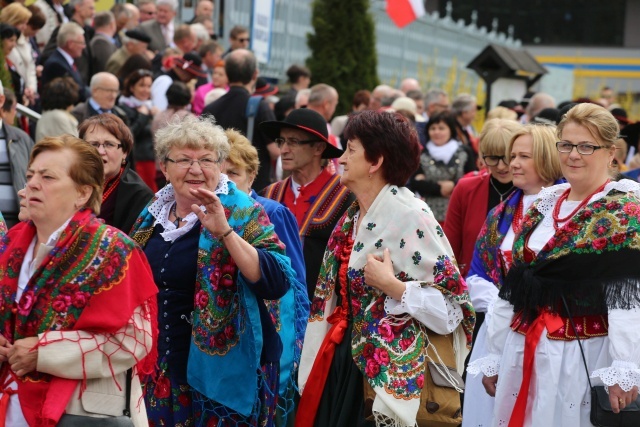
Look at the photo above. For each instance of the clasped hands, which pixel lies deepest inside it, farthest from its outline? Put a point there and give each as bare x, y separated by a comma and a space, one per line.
22, 355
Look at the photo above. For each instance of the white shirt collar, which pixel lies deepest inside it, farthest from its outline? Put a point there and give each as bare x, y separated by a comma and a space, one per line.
161, 208
68, 57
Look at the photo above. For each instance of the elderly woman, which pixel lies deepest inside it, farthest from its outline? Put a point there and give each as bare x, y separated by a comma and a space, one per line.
216, 259
124, 194
576, 256
475, 196
534, 164
78, 298
443, 162
242, 167
388, 283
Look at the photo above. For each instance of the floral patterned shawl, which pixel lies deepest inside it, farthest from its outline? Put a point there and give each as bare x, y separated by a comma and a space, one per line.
92, 280
487, 262
592, 259
389, 350
226, 340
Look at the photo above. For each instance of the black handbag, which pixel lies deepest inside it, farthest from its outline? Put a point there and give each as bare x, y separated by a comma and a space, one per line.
601, 413
124, 420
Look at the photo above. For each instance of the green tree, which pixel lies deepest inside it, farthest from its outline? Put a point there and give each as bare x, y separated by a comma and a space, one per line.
343, 48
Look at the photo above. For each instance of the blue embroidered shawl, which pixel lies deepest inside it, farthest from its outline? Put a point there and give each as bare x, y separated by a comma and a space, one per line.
486, 261
226, 339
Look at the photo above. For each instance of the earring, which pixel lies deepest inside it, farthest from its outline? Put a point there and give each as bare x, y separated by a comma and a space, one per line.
124, 162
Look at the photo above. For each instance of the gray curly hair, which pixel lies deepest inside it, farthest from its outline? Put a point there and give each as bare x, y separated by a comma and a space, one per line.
196, 133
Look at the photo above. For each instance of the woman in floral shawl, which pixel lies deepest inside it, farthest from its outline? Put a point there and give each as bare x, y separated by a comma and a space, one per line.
216, 259
77, 298
388, 275
579, 241
534, 164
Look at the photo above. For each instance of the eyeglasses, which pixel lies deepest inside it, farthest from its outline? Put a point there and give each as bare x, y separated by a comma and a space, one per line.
108, 146
80, 42
116, 92
582, 148
293, 142
148, 12
495, 160
246, 39
187, 163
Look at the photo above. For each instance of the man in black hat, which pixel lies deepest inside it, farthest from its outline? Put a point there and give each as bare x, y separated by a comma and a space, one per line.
134, 42
314, 194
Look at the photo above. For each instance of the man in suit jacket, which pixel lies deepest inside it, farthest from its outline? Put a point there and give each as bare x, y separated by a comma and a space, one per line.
61, 63
161, 29
83, 12
105, 88
229, 110
103, 43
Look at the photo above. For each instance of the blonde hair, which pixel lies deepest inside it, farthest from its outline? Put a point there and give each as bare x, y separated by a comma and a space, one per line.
598, 120
502, 113
14, 14
242, 153
87, 169
543, 148
495, 136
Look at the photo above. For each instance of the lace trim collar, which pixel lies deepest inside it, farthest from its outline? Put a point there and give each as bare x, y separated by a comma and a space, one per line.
549, 196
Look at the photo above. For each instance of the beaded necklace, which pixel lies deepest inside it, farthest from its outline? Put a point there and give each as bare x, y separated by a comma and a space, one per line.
111, 185
517, 217
556, 209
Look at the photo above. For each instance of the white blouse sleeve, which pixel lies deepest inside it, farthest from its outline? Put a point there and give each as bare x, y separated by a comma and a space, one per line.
624, 348
482, 292
498, 319
427, 305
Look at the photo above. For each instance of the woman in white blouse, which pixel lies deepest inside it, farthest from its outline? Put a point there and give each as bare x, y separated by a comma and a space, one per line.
579, 244
534, 164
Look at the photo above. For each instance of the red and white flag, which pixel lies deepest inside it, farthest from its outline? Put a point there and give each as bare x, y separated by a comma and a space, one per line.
404, 12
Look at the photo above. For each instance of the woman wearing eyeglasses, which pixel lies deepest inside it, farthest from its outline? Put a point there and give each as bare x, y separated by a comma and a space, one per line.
474, 197
125, 194
578, 241
534, 164
442, 163
215, 259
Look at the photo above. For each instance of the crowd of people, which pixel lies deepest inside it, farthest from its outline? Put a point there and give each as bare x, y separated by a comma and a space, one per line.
184, 243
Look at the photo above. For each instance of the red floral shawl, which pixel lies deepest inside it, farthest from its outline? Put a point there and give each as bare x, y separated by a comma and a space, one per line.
92, 280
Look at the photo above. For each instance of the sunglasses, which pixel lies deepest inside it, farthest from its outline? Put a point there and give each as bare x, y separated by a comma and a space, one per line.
247, 39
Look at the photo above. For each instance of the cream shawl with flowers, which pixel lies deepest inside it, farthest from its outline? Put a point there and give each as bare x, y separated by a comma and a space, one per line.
389, 350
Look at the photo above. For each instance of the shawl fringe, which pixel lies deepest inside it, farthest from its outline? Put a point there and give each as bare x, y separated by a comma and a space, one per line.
594, 287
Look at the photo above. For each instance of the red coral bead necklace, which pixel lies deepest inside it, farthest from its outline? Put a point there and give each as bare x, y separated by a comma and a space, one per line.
556, 210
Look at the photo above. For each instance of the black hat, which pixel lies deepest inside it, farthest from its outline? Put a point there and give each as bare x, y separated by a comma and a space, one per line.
548, 116
621, 115
139, 35
264, 88
308, 121
191, 63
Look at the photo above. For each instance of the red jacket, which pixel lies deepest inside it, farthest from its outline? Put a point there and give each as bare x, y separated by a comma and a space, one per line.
467, 211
